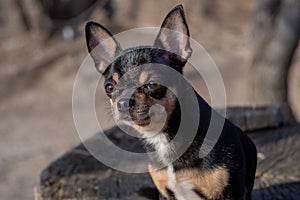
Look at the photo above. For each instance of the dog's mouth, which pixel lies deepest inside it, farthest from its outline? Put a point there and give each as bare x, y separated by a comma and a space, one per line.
140, 116
146, 118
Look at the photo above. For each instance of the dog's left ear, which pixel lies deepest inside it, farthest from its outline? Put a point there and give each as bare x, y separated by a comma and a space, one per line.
174, 34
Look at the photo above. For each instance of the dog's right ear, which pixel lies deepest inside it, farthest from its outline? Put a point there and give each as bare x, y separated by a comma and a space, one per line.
102, 46
174, 34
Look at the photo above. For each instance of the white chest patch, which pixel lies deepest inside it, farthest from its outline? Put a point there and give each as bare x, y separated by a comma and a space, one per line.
162, 146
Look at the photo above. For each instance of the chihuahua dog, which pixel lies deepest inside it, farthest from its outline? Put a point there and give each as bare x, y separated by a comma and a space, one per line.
139, 96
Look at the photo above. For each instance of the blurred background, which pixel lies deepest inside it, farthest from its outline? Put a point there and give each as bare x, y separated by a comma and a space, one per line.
42, 44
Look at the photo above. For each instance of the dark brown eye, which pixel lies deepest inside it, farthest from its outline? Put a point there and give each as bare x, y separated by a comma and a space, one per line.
109, 88
153, 85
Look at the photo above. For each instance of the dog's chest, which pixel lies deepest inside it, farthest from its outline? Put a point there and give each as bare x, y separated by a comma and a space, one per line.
183, 183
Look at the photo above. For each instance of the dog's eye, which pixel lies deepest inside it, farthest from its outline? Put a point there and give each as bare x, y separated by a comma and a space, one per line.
153, 85
109, 88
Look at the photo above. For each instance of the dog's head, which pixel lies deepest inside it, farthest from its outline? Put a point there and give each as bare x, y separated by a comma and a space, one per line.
133, 76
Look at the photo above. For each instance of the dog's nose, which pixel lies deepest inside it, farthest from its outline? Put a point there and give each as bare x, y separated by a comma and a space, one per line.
124, 104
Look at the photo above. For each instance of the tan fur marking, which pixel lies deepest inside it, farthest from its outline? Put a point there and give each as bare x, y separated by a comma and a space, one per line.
143, 77
211, 183
116, 77
141, 96
170, 103
160, 179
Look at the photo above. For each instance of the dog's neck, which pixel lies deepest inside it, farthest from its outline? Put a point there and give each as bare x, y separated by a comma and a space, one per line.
162, 142
163, 147
204, 117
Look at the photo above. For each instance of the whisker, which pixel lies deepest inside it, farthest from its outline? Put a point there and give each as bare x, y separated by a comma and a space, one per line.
109, 113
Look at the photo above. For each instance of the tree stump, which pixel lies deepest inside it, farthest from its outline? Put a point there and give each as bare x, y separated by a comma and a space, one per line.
78, 175
278, 172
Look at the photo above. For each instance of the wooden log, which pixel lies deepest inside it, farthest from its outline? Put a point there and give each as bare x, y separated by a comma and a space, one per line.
278, 172
78, 175
256, 118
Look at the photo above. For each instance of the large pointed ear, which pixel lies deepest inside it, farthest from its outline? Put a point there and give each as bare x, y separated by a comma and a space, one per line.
174, 34
102, 46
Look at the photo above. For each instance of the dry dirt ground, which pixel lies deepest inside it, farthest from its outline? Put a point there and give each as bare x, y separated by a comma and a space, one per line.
36, 122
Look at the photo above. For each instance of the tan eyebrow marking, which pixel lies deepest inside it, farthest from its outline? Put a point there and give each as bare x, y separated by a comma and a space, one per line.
116, 76
143, 77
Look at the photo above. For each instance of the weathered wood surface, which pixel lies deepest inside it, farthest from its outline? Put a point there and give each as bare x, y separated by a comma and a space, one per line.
257, 117
78, 175
278, 172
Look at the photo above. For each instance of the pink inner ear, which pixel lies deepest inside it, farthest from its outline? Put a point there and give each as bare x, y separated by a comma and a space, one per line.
108, 49
175, 42
104, 53
174, 34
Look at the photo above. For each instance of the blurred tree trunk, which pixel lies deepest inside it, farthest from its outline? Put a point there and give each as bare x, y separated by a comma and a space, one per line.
209, 8
276, 29
22, 17
10, 17
33, 18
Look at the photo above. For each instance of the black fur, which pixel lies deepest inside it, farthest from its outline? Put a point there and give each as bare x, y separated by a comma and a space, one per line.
234, 150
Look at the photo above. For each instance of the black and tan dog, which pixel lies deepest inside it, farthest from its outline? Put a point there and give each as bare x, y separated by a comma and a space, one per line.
228, 171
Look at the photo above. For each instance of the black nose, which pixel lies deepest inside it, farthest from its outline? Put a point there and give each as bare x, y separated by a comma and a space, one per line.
124, 104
